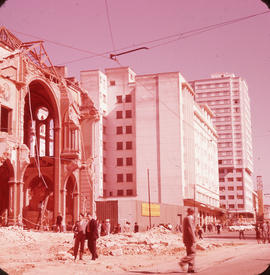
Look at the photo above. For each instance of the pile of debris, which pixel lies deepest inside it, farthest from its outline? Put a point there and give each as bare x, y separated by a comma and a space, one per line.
158, 240
16, 235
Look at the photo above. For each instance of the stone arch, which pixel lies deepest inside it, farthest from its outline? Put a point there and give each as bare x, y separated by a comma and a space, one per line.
71, 200
39, 127
37, 189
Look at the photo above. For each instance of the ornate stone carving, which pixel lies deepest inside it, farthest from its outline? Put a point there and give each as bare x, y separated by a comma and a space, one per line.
5, 151
88, 110
4, 91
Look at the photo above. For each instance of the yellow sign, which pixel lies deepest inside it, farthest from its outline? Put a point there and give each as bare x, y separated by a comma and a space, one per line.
154, 209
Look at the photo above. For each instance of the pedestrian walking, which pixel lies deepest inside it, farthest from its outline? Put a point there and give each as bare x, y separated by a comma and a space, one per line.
108, 227
79, 236
59, 220
241, 232
218, 228
200, 233
136, 227
204, 227
189, 240
92, 235
264, 230
258, 233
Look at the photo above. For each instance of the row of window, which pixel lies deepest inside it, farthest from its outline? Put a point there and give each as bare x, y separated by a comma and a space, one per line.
119, 130
229, 161
232, 206
120, 161
231, 197
230, 179
120, 145
229, 170
120, 177
120, 192
231, 188
119, 98
119, 114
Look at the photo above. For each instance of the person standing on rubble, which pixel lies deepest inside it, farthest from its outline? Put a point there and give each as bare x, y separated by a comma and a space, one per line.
92, 236
189, 240
79, 236
59, 220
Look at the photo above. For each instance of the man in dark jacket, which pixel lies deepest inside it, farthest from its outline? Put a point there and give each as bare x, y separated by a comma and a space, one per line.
189, 240
79, 236
92, 236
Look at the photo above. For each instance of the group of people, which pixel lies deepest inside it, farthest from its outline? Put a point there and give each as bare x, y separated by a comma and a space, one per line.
85, 229
263, 232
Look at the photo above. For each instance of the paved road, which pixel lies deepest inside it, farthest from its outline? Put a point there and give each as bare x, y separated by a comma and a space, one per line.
249, 259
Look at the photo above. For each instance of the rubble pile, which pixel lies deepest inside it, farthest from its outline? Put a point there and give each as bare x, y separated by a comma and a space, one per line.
158, 240
15, 234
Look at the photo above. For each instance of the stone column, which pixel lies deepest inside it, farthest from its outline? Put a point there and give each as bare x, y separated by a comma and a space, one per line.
57, 172
63, 200
12, 203
76, 210
20, 198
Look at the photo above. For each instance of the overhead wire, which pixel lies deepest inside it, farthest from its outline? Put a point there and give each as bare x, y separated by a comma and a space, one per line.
171, 38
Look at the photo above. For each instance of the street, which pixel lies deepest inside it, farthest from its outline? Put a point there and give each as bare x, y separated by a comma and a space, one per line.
250, 258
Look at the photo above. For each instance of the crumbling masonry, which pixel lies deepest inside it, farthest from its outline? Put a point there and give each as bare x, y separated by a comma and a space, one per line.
46, 136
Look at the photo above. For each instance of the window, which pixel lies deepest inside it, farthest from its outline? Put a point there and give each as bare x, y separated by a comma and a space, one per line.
104, 145
119, 130
222, 197
112, 83
129, 145
220, 162
104, 161
119, 99
231, 205
240, 205
119, 145
221, 180
240, 197
230, 188
129, 192
129, 177
5, 119
231, 197
129, 161
104, 130
230, 179
128, 114
119, 114
128, 129
239, 187
119, 161
120, 192
221, 188
120, 178
111, 193
104, 177
128, 98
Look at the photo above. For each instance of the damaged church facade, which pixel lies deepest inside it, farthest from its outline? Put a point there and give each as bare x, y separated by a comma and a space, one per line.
46, 136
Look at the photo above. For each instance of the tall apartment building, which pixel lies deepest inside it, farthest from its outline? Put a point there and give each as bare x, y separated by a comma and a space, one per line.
155, 138
227, 95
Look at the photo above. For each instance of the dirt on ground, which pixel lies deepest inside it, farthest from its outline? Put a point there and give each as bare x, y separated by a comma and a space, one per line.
33, 252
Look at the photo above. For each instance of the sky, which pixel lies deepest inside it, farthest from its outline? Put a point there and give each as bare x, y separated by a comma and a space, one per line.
81, 34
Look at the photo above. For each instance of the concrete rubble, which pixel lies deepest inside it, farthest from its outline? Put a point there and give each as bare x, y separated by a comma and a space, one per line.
157, 241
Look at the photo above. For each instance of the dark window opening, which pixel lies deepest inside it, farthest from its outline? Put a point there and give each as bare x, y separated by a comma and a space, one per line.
5, 119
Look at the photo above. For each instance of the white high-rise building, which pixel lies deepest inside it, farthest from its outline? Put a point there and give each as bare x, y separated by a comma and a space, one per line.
157, 145
227, 95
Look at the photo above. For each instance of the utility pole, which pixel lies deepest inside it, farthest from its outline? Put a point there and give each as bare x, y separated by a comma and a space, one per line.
149, 198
